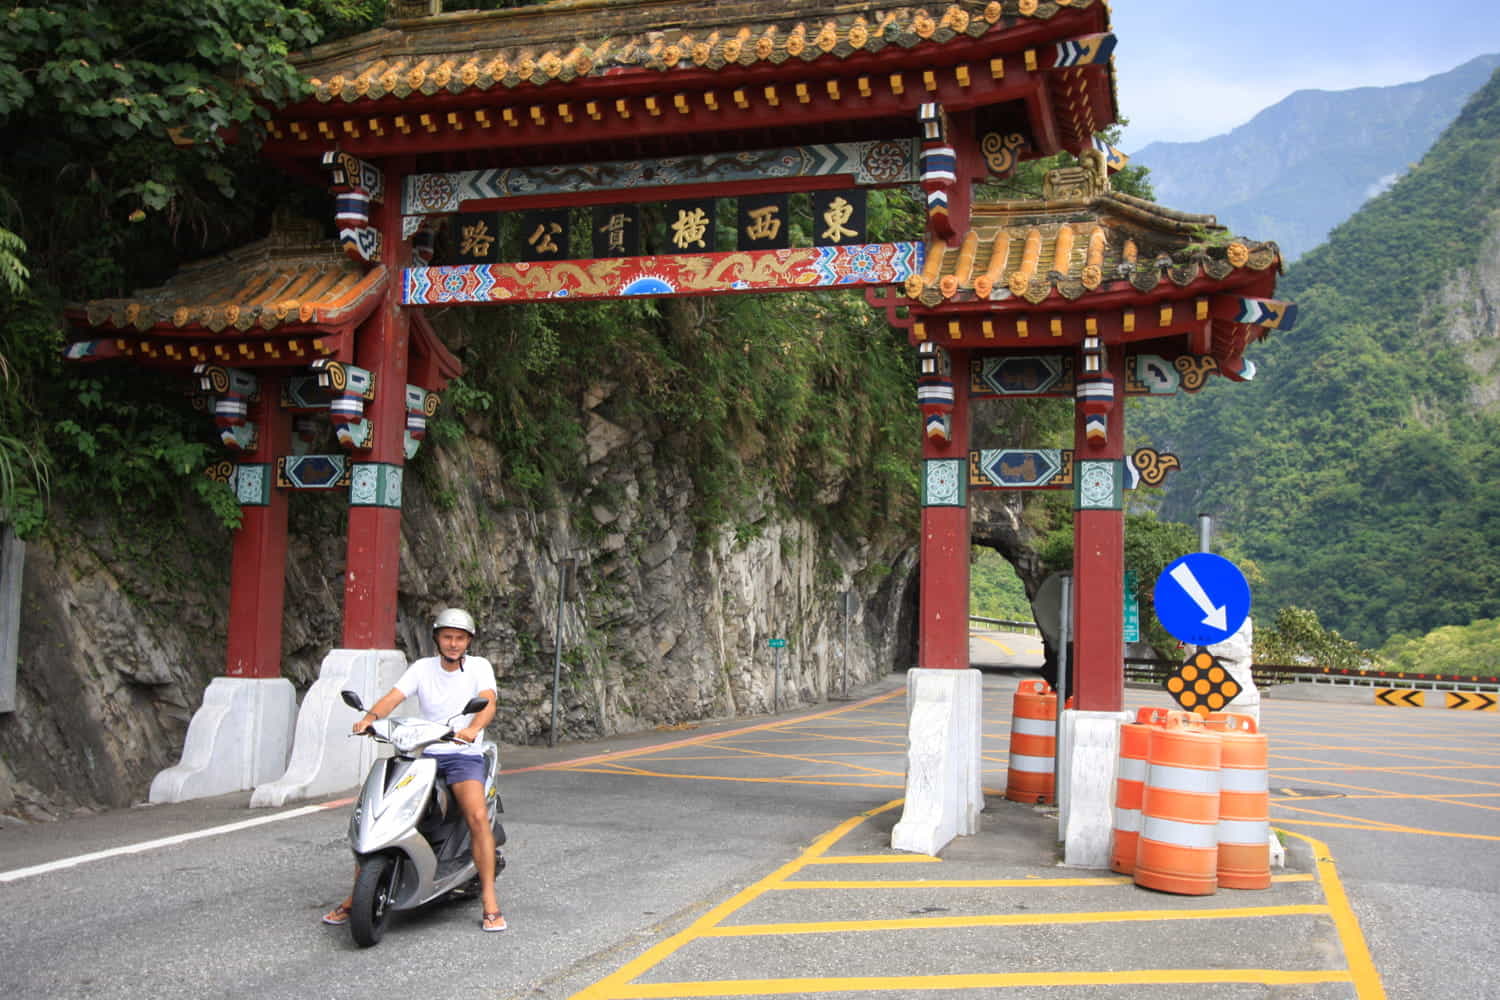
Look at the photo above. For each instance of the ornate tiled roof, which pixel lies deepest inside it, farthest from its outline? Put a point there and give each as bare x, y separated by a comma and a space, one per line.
568, 40
1077, 247
295, 278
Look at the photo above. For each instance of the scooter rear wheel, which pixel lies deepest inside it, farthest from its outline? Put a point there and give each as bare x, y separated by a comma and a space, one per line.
374, 892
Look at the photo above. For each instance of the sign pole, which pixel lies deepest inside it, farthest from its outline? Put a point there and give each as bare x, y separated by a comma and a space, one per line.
844, 660
562, 593
777, 645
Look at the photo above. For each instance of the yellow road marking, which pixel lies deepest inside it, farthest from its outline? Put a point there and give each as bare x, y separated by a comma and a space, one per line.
1355, 823
613, 984
1404, 774
1452, 799
875, 859
565, 765
993, 642
810, 760
1014, 920
1366, 980
847, 739
888, 984
619, 985
719, 777
994, 883
1378, 751
998, 883
1389, 770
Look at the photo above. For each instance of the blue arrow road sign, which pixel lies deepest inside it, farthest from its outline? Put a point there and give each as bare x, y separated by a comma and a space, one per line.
1202, 598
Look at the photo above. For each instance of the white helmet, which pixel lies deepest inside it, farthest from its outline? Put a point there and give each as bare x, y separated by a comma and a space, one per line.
454, 618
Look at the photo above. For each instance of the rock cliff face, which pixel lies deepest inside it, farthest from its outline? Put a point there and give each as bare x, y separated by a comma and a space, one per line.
120, 636
1468, 314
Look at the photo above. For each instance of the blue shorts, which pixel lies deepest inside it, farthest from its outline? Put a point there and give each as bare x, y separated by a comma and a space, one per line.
456, 767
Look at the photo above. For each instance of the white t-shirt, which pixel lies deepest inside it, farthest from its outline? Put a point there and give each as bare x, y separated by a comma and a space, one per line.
441, 694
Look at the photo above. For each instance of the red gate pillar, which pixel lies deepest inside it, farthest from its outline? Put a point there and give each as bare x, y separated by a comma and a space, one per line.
1099, 540
373, 561
240, 735
257, 574
943, 580
944, 697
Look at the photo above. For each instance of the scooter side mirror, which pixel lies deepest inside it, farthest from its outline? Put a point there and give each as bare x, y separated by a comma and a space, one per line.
352, 700
476, 704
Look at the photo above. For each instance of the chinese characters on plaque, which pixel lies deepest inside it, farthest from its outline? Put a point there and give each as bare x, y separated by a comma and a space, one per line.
617, 231
838, 218
545, 235
476, 238
763, 221
690, 226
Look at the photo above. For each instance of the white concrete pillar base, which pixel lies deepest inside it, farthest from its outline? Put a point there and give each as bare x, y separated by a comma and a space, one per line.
239, 737
1278, 852
324, 758
1087, 760
944, 784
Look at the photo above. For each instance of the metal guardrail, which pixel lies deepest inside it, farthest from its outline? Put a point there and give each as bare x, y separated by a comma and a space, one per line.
1150, 671
1012, 624
1268, 674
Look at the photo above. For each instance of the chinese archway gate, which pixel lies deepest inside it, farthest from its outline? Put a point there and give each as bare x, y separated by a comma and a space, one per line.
430, 129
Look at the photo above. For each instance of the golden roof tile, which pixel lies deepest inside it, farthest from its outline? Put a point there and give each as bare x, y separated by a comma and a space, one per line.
1072, 248
565, 39
295, 276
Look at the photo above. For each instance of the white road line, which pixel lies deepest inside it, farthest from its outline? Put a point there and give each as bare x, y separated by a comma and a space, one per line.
17, 874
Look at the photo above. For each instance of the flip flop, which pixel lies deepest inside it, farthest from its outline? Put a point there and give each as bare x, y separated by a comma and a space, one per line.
489, 918
337, 917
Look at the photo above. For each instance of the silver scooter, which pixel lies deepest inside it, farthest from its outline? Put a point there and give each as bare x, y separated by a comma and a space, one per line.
408, 835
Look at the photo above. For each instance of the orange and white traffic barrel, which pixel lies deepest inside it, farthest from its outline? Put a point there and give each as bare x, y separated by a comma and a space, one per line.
1033, 743
1177, 849
1130, 784
1244, 803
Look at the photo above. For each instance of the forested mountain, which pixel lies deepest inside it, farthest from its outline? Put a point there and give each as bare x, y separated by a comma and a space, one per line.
1359, 468
1306, 163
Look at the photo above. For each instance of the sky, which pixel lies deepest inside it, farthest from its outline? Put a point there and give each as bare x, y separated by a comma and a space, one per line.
1190, 69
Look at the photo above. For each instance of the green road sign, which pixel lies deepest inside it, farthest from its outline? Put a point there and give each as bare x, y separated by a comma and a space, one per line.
1132, 609
776, 643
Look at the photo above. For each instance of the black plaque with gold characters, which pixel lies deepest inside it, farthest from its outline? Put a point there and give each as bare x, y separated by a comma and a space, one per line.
616, 231
690, 226
474, 238
544, 235
839, 218
763, 222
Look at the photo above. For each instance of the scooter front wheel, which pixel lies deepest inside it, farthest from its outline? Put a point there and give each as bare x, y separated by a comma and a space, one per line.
374, 893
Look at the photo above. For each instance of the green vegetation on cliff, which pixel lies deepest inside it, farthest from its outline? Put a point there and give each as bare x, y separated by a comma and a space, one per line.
1358, 469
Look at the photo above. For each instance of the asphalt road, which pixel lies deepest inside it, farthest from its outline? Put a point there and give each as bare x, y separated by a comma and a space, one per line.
751, 858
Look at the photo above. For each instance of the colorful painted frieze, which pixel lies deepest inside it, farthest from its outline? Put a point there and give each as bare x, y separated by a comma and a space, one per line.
799, 269
1054, 468
879, 162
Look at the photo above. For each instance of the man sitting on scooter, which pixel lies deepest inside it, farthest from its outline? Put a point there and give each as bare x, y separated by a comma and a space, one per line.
443, 684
